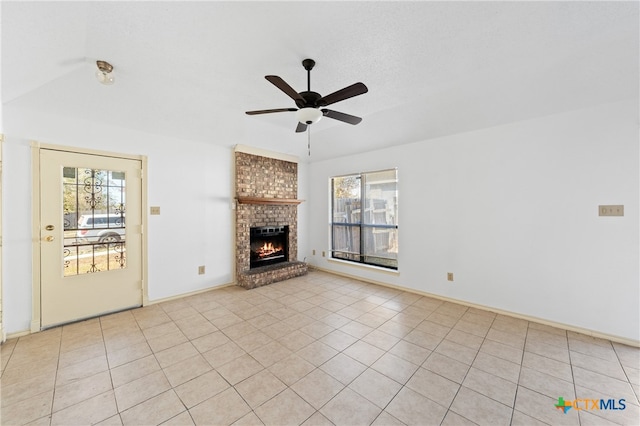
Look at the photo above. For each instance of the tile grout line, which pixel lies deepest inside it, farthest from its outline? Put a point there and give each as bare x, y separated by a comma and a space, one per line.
470, 366
360, 294
55, 380
515, 396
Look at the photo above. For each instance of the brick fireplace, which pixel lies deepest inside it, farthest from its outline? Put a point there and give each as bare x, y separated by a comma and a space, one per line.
267, 199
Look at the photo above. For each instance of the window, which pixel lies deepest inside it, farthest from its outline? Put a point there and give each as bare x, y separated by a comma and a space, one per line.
364, 218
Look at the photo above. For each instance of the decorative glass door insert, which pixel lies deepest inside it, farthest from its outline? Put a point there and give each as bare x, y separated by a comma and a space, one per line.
94, 208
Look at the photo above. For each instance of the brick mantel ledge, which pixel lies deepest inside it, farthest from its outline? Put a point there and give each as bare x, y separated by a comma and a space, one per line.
265, 200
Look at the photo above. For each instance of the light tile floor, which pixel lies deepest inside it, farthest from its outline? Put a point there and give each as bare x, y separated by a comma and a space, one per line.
314, 350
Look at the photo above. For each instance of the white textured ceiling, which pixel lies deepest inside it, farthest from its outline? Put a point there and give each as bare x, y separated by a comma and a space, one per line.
191, 69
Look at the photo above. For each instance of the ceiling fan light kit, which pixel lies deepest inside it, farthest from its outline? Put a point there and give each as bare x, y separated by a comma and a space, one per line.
104, 74
308, 115
311, 104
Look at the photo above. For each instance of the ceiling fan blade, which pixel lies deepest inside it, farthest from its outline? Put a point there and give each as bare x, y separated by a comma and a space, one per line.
290, 91
336, 115
342, 94
269, 111
301, 127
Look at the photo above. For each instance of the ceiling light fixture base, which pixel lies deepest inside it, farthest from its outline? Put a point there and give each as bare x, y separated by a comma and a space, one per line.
308, 115
104, 73
308, 64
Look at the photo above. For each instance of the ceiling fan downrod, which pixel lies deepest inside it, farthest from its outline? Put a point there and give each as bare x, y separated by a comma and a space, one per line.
308, 65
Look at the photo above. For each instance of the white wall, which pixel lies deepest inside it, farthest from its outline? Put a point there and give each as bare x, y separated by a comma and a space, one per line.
191, 182
512, 211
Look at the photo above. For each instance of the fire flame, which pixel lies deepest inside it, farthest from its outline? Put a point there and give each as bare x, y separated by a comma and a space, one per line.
267, 250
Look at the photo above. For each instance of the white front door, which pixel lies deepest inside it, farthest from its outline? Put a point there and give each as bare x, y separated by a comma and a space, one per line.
90, 235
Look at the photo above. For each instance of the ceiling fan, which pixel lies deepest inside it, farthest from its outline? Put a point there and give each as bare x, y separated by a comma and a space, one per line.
311, 104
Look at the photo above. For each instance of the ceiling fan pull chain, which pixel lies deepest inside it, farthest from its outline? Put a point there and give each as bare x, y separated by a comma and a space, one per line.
309, 140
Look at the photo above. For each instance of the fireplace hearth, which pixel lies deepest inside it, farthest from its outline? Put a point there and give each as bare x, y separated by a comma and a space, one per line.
268, 245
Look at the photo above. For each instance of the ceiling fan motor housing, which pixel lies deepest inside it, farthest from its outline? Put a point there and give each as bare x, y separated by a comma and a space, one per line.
311, 99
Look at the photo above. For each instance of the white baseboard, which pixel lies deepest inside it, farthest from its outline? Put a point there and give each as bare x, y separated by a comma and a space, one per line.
592, 333
18, 334
192, 293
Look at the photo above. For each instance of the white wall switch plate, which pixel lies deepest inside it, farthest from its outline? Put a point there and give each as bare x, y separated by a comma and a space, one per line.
611, 210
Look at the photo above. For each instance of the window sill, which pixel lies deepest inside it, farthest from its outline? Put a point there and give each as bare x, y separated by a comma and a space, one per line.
365, 266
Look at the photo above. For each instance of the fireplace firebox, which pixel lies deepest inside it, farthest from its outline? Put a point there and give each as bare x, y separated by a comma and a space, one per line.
268, 245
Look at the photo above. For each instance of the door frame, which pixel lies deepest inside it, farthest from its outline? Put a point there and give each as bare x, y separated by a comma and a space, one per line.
36, 147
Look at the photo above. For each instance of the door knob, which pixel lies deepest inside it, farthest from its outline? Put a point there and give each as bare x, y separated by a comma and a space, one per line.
49, 238
50, 227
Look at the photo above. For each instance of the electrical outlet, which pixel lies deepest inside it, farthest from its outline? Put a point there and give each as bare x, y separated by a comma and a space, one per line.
449, 276
154, 210
313, 252
323, 254
201, 270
